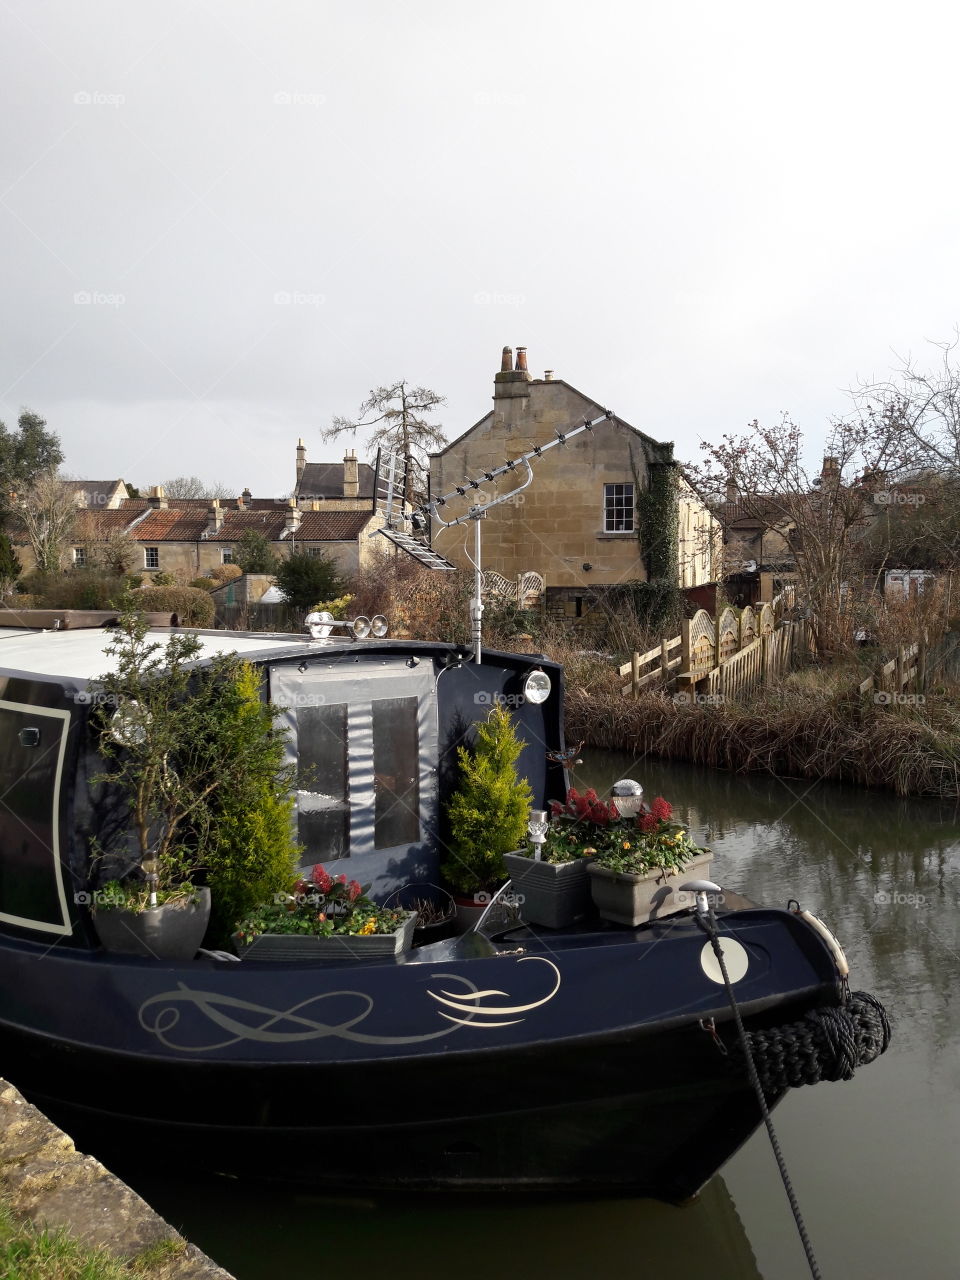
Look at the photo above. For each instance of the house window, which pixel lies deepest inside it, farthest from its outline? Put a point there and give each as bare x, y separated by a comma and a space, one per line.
151, 557
618, 508
226, 555
79, 557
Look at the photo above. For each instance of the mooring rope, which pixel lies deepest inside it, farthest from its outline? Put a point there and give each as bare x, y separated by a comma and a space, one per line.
708, 922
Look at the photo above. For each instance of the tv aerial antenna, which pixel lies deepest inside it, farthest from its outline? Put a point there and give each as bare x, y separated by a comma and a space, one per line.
392, 505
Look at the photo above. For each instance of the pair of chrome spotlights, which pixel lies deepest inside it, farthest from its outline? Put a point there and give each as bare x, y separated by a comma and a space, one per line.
321, 624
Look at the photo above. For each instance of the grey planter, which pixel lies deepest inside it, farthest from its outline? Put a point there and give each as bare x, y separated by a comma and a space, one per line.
307, 948
553, 894
171, 932
633, 900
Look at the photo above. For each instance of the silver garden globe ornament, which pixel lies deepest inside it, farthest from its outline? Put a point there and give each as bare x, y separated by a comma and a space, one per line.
628, 797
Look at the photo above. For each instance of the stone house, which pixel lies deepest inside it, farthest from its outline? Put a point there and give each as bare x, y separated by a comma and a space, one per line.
577, 523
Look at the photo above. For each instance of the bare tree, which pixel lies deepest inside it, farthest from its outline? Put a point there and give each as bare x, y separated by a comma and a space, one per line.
820, 517
48, 511
923, 406
194, 487
398, 413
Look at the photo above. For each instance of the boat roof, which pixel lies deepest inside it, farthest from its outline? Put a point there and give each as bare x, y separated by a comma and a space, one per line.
82, 655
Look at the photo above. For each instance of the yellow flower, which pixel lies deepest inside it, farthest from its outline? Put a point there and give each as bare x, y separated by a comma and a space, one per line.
626, 844
369, 926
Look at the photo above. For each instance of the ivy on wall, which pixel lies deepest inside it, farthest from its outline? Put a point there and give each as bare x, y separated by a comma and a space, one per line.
658, 515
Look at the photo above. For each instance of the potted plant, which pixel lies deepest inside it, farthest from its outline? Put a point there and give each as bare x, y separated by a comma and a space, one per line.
550, 878
638, 864
324, 919
487, 815
196, 785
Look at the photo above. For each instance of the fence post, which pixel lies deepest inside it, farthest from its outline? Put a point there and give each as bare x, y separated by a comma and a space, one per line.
922, 661
685, 650
635, 675
898, 671
664, 658
766, 675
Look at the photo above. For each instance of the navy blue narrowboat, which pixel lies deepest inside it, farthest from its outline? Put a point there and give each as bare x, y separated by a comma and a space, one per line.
598, 1059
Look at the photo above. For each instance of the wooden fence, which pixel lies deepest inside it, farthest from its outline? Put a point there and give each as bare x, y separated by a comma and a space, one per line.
728, 656
906, 669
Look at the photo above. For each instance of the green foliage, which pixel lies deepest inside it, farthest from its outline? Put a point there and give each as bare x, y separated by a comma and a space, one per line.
26, 453
305, 579
490, 809
203, 584
254, 554
657, 521
164, 580
249, 849
321, 907
78, 589
225, 573
31, 1252
201, 766
9, 563
658, 605
192, 606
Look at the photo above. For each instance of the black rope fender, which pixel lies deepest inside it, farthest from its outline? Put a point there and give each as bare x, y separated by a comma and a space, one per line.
825, 1044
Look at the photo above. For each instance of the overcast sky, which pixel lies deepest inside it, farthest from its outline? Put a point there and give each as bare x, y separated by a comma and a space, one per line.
224, 221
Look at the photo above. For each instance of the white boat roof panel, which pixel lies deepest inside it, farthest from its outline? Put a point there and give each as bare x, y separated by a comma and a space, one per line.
81, 655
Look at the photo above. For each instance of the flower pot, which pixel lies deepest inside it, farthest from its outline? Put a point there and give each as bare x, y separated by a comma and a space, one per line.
551, 894
308, 948
632, 900
171, 932
469, 910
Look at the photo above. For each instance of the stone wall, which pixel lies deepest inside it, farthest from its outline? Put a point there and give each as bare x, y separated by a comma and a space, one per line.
44, 1179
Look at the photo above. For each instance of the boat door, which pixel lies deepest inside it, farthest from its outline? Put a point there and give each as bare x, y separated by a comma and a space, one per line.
33, 743
363, 738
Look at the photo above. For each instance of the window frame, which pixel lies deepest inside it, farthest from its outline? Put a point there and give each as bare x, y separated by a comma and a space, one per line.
79, 557
151, 553
614, 511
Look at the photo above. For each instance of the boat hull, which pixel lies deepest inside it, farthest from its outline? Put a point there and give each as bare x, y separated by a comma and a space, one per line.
579, 1065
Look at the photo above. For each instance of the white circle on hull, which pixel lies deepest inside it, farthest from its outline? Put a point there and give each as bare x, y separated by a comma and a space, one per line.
734, 957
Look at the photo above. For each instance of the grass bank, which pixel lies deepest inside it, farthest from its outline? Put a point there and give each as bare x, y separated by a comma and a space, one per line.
28, 1252
806, 727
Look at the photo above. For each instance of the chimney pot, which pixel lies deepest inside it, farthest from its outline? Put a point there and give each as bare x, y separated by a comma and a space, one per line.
521, 360
548, 375
506, 360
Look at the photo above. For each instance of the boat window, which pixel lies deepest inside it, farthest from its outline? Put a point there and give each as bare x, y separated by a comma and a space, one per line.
396, 772
324, 813
32, 746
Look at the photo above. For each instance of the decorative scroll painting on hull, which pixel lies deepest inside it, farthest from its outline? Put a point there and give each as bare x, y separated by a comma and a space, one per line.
241, 1020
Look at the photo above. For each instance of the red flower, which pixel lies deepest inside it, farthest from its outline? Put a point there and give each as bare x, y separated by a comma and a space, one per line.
321, 879
614, 812
590, 796
661, 810
341, 879
599, 814
353, 890
556, 808
647, 822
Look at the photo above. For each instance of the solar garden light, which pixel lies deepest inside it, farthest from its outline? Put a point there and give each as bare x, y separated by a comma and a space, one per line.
628, 797
537, 826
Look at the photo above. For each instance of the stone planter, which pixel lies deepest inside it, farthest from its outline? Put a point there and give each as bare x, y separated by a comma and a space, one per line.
171, 932
632, 900
307, 948
552, 894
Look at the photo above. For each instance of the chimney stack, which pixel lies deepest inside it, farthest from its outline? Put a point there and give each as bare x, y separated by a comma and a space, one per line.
512, 382
733, 491
301, 458
830, 469
157, 497
292, 521
351, 475
214, 517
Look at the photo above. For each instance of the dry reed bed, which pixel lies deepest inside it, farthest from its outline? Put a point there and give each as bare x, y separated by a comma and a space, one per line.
912, 750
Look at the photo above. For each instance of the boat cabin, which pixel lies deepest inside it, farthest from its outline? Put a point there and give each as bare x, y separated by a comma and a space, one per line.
372, 726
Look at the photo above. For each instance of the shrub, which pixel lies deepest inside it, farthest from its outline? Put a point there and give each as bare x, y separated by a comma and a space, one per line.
164, 580
304, 579
250, 854
79, 589
490, 808
193, 607
202, 584
225, 573
253, 553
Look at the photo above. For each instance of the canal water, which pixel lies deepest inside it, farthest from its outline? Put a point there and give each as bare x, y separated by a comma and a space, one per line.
875, 1162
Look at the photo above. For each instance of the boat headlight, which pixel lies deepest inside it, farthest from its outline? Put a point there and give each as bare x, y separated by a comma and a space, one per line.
361, 627
129, 724
379, 625
537, 686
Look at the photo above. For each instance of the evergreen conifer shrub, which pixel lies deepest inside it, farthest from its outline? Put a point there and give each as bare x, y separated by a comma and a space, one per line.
489, 811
